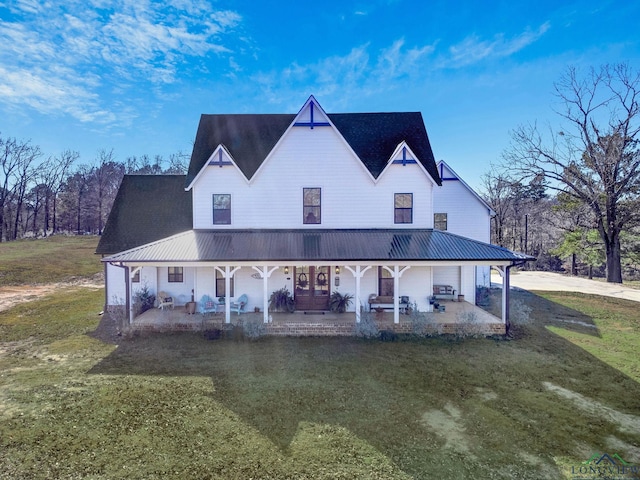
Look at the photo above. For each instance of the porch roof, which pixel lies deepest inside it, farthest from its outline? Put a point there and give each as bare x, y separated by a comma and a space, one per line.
342, 245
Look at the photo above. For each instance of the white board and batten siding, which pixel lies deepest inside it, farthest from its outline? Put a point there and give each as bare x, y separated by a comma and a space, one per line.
467, 214
313, 158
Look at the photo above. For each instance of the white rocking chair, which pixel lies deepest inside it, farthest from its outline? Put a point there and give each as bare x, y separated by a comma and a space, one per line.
164, 300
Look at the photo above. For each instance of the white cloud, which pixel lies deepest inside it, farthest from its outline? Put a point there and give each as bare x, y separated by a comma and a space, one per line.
69, 55
473, 49
358, 73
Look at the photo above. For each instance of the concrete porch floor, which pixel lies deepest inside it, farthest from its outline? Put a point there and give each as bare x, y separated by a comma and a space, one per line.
456, 315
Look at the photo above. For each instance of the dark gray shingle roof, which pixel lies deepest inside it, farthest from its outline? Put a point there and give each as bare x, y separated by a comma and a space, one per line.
328, 245
146, 208
372, 136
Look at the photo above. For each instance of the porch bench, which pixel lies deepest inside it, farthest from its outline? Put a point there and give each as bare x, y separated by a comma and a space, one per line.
386, 302
444, 292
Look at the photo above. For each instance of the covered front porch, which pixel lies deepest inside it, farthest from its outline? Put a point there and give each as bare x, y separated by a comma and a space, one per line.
457, 317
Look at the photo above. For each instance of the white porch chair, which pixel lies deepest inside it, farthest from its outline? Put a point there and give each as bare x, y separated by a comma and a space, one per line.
164, 300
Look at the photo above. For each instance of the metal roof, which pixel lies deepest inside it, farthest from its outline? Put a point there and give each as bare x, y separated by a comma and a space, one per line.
316, 244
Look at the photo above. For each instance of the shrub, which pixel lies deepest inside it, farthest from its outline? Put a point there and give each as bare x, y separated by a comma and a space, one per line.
254, 330
519, 313
367, 327
143, 300
422, 323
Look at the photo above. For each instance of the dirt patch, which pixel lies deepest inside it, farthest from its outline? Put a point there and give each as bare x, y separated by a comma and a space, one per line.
11, 296
626, 422
486, 394
447, 424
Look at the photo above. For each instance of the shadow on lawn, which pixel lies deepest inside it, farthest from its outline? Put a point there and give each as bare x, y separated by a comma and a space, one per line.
546, 312
381, 391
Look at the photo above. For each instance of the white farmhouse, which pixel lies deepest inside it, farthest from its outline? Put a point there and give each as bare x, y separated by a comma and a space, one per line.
314, 202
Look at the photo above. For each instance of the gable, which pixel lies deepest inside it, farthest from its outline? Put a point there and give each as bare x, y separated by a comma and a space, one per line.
375, 136
447, 174
249, 138
146, 208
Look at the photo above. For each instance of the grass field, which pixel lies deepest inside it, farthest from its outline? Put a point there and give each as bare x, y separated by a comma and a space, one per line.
181, 406
54, 259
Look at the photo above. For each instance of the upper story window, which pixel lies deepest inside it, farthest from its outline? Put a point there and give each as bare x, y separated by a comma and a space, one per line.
403, 208
440, 221
176, 275
221, 209
311, 205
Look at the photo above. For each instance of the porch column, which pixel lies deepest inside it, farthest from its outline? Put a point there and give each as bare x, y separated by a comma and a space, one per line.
265, 273
127, 296
130, 272
358, 274
505, 273
396, 273
228, 273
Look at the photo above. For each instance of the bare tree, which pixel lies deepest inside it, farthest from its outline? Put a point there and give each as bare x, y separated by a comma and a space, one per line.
594, 157
106, 177
16, 159
54, 173
497, 193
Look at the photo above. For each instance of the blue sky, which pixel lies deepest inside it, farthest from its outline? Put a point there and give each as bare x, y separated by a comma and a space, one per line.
135, 75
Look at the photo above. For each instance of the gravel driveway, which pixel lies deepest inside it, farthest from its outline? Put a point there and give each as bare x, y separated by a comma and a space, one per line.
559, 282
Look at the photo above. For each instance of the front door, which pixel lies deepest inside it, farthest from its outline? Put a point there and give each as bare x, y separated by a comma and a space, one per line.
312, 288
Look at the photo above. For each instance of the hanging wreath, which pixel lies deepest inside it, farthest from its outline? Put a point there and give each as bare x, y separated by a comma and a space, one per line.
303, 280
321, 279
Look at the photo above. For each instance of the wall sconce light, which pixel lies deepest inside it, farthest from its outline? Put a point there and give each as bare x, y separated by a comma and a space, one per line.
286, 270
337, 270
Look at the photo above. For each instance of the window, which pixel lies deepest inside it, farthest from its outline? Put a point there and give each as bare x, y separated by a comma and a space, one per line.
222, 209
311, 205
440, 221
136, 277
403, 208
176, 275
385, 282
220, 291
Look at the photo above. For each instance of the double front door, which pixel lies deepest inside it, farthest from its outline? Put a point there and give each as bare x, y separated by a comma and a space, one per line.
312, 285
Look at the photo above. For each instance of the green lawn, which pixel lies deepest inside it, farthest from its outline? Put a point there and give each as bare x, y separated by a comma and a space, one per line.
53, 259
180, 406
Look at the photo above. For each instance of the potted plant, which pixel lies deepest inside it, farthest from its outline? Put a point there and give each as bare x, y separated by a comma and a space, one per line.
340, 302
281, 301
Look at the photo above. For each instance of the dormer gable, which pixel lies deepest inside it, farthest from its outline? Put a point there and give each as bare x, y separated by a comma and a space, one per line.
403, 156
449, 175
220, 158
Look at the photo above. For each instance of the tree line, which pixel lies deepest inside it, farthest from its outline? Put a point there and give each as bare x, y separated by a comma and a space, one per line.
567, 195
573, 191
41, 196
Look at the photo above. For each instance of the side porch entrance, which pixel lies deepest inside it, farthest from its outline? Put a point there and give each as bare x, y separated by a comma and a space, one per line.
312, 285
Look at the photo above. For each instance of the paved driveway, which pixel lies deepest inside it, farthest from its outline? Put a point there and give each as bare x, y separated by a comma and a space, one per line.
559, 282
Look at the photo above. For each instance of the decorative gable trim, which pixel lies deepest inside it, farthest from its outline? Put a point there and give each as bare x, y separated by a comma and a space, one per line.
307, 116
406, 159
219, 158
443, 166
403, 156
